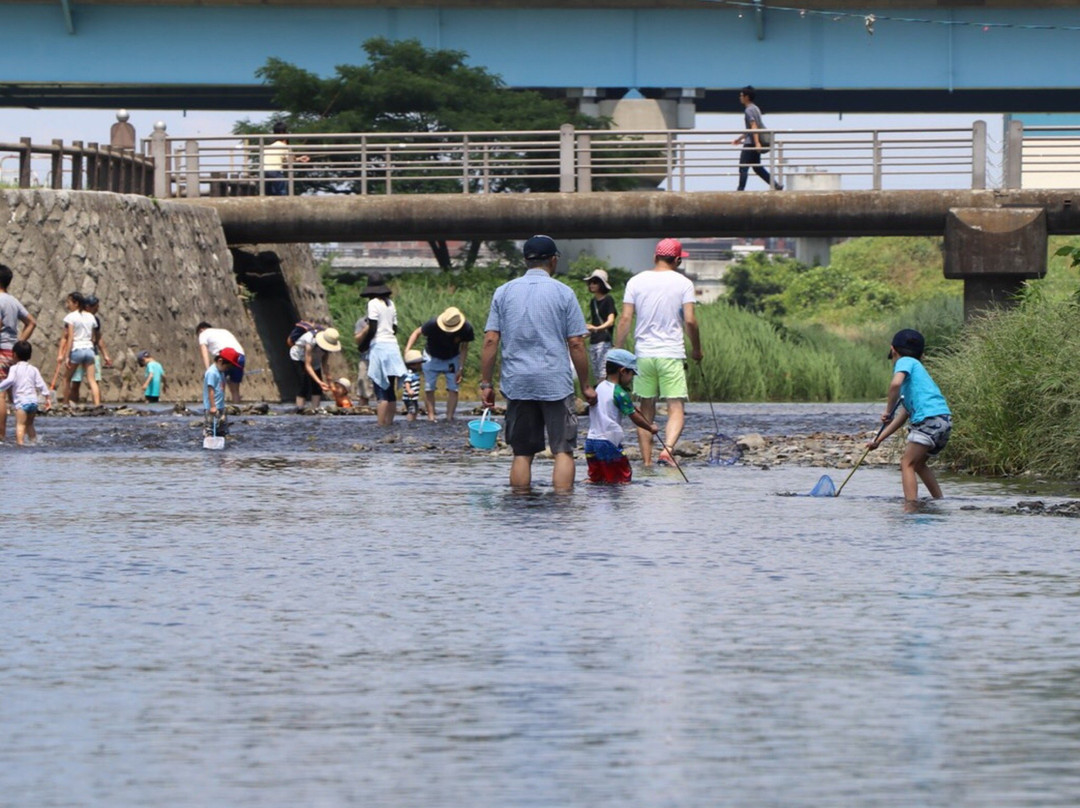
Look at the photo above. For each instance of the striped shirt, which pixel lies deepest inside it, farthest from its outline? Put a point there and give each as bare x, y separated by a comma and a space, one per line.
535, 315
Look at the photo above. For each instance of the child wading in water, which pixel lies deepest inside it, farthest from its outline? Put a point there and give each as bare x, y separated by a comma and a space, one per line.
603, 446
25, 382
923, 403
410, 384
214, 392
154, 383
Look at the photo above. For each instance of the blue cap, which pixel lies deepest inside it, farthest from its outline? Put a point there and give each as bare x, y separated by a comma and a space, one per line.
622, 358
539, 247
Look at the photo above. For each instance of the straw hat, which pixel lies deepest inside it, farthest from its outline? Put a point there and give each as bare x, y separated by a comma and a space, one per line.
329, 340
451, 320
412, 357
345, 383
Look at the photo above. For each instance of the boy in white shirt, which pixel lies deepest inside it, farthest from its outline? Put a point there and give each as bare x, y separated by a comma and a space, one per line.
25, 382
603, 446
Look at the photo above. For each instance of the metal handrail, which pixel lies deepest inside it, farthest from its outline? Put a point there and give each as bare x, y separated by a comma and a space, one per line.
565, 160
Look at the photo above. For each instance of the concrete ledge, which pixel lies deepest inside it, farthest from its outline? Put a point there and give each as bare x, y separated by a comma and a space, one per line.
619, 215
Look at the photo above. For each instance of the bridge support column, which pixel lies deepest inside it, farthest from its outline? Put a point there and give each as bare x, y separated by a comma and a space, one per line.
994, 250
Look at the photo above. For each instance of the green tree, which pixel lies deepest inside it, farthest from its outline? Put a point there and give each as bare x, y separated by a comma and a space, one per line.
405, 87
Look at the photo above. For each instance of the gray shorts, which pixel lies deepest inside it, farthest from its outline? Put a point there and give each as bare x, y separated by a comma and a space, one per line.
598, 352
526, 422
933, 432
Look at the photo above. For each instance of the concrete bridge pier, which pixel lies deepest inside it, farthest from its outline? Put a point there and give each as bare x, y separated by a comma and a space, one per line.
994, 250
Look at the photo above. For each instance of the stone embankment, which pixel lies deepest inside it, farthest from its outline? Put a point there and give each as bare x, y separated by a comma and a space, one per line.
158, 268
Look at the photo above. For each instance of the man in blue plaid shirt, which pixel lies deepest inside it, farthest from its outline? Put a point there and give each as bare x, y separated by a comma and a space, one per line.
539, 324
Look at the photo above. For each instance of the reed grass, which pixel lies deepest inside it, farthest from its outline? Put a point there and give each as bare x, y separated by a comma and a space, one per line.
1013, 384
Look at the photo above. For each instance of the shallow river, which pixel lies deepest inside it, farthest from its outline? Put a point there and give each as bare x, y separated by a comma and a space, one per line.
297, 622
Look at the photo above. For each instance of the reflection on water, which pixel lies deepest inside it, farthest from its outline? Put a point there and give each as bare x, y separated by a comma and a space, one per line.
295, 621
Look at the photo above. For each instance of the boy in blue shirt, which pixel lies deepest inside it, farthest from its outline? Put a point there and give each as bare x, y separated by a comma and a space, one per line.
154, 383
931, 421
214, 392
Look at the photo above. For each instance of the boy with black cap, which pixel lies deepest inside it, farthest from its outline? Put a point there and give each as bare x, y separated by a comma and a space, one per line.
931, 420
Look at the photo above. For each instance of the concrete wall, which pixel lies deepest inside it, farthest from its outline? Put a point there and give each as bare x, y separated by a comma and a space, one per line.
158, 269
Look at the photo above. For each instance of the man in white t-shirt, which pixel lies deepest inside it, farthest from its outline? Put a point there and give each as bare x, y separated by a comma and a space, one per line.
661, 304
211, 341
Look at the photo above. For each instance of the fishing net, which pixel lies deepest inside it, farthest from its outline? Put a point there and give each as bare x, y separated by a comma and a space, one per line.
723, 451
824, 487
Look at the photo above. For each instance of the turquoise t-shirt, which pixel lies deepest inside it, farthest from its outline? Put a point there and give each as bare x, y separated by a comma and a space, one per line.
922, 398
216, 379
155, 371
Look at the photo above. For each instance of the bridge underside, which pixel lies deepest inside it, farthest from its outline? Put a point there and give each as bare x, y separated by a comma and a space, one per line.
918, 56
258, 97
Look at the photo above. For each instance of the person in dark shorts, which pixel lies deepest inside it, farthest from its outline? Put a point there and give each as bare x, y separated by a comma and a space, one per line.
537, 322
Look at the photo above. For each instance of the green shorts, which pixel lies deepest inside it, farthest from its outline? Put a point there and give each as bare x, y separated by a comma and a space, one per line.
659, 377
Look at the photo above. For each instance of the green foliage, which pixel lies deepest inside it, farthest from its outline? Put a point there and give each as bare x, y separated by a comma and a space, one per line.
757, 283
1013, 384
750, 358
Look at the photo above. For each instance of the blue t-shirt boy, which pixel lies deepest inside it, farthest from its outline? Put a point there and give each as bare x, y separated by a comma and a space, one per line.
155, 372
922, 397
214, 379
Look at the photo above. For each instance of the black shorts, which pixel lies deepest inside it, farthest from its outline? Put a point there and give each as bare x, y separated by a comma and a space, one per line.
527, 421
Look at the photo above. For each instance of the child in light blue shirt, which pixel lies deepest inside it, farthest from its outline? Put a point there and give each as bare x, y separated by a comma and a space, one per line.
214, 394
924, 405
154, 381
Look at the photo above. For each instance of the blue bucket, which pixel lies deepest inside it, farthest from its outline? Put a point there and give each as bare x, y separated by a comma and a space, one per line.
482, 433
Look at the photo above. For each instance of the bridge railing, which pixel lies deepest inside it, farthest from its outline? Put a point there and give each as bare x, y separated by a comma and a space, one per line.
89, 167
566, 160
1042, 156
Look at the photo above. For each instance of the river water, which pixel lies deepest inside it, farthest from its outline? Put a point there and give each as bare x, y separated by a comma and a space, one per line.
299, 621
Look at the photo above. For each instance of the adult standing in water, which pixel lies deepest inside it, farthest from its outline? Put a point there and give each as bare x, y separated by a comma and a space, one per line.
662, 300
537, 322
447, 346
211, 342
385, 365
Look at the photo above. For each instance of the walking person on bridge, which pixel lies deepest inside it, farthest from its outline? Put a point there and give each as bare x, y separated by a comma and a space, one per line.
754, 144
276, 158
539, 325
662, 300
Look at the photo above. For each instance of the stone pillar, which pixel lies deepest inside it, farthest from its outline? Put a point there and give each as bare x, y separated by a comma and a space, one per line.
994, 250
686, 105
817, 249
588, 99
122, 133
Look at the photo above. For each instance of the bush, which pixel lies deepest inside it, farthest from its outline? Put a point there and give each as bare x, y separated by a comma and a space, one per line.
1014, 384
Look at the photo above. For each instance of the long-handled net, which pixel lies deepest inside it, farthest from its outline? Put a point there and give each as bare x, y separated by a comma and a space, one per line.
825, 486
723, 450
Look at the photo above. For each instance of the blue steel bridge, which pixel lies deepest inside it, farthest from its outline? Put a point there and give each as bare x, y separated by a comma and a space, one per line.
806, 55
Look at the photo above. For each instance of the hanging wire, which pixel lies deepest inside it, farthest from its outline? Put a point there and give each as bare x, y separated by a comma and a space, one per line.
870, 20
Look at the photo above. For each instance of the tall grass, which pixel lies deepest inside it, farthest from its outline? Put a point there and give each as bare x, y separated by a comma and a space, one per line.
1013, 384
750, 358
